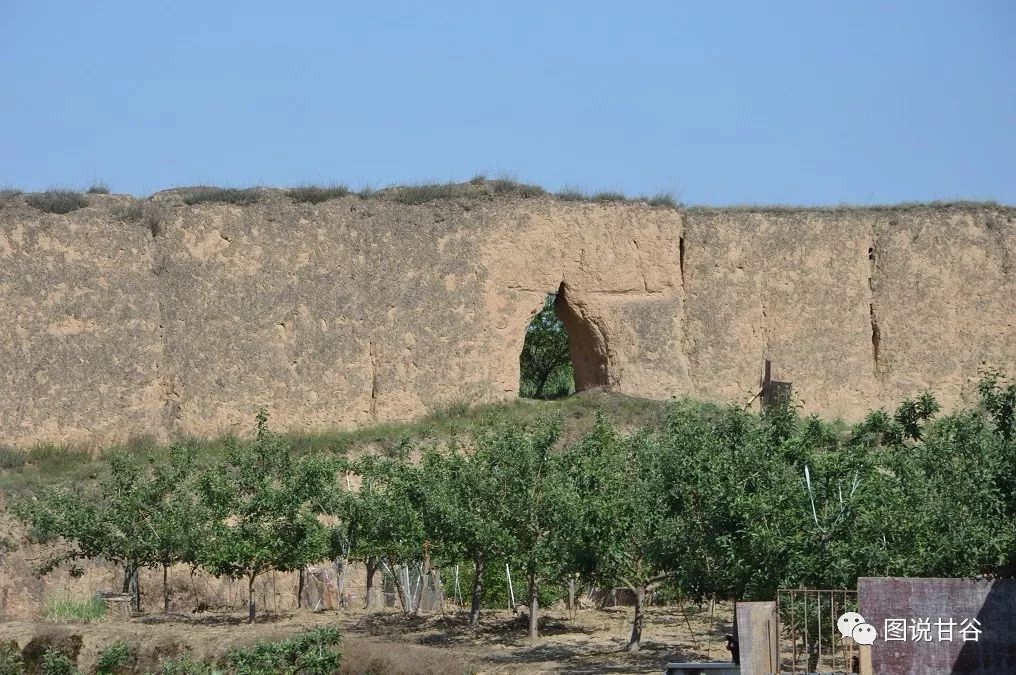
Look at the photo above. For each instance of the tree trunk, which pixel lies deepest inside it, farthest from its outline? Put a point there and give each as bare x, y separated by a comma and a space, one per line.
372, 565
534, 604
477, 594
341, 564
165, 588
636, 627
128, 575
134, 588
438, 604
251, 601
400, 586
299, 589
422, 591
571, 593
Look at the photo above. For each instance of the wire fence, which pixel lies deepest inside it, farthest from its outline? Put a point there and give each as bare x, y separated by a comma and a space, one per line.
810, 641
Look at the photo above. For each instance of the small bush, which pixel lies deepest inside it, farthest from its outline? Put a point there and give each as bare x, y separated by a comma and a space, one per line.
11, 458
10, 192
114, 659
69, 610
366, 192
11, 662
55, 662
314, 194
608, 196
235, 196
57, 201
98, 189
148, 214
315, 652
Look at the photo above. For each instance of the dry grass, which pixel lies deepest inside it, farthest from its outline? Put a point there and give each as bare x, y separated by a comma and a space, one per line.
98, 188
608, 196
57, 201
316, 194
234, 196
962, 205
149, 215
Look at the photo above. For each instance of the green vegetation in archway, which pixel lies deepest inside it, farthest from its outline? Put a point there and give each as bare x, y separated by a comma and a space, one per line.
546, 367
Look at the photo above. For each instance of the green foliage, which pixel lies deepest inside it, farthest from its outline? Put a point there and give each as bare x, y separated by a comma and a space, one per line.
11, 662
114, 659
545, 363
263, 504
235, 196
999, 400
55, 662
10, 192
315, 194
137, 517
71, 610
628, 525
98, 188
543, 522
184, 665
715, 502
57, 201
315, 652
609, 196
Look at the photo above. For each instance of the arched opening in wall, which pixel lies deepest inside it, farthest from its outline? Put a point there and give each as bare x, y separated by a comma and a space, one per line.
562, 352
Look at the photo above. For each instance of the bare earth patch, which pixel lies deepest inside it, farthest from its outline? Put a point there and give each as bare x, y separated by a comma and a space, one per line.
591, 641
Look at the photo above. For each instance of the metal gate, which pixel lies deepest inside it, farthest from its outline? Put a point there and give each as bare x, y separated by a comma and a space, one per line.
809, 641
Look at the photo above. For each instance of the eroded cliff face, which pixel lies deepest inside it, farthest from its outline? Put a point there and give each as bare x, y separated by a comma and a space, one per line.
355, 311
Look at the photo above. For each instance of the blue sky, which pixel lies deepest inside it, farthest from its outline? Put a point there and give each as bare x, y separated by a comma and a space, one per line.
796, 102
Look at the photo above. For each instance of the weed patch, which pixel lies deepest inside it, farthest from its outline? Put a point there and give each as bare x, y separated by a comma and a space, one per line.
72, 610
57, 201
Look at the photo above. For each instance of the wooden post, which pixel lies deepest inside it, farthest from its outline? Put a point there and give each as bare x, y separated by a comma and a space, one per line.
865, 660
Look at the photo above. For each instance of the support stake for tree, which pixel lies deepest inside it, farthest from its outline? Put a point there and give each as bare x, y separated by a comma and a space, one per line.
511, 591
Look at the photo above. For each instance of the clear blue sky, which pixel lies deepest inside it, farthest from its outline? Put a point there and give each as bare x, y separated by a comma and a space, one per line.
796, 102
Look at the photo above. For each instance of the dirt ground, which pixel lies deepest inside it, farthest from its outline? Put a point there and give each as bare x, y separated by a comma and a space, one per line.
591, 641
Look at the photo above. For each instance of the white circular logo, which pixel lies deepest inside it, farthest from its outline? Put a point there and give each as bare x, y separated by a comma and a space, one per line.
864, 634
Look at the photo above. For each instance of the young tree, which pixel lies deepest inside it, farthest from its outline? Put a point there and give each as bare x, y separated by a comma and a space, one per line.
542, 524
174, 519
627, 528
264, 504
123, 521
385, 518
467, 501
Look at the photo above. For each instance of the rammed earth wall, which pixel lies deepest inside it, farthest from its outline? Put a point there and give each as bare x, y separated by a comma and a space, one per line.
355, 311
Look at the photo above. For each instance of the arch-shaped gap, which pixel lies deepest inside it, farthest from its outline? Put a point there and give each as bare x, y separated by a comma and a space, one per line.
563, 351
